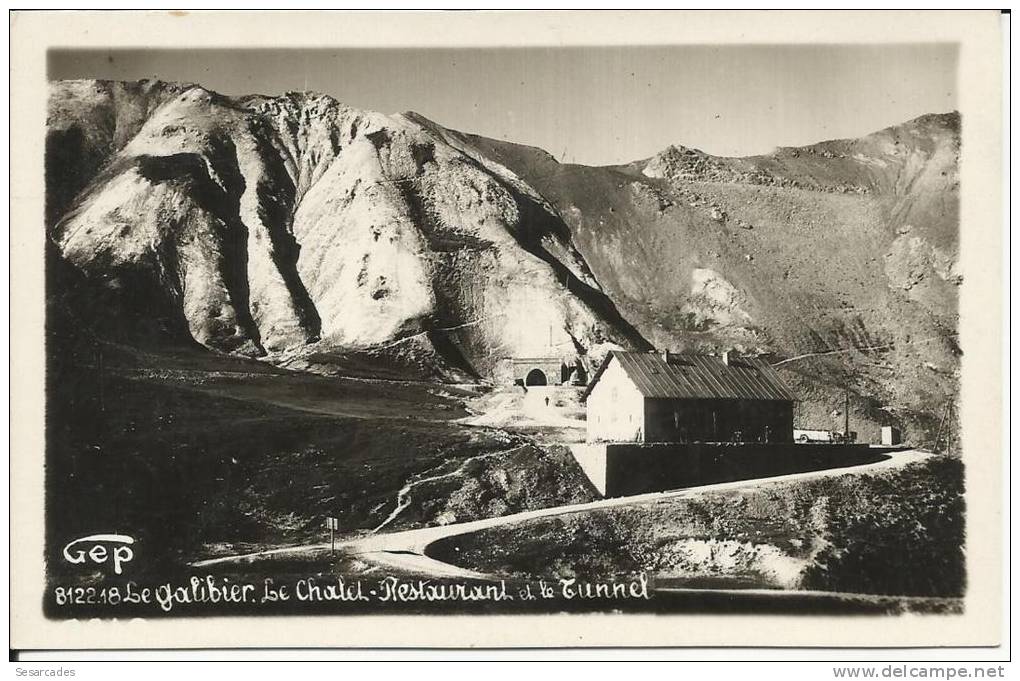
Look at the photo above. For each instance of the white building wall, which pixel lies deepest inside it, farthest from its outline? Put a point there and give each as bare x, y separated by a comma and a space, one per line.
616, 408
591, 458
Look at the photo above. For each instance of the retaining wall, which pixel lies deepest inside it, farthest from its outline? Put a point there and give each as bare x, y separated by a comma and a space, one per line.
629, 468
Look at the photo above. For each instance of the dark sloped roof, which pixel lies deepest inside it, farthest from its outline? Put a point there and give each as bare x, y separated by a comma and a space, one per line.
699, 377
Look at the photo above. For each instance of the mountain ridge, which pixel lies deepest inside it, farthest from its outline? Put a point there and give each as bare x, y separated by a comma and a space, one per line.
209, 185
303, 229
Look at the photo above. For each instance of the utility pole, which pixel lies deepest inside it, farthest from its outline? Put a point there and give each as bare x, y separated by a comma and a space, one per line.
332, 524
949, 426
102, 402
949, 429
846, 414
942, 422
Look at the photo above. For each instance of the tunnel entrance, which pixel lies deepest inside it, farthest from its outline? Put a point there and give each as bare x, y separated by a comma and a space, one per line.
540, 371
535, 377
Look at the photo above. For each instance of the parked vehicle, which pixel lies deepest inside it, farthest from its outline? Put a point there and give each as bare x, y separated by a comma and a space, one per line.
805, 435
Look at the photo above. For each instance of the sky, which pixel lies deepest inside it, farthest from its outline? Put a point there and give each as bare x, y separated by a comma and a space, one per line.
597, 106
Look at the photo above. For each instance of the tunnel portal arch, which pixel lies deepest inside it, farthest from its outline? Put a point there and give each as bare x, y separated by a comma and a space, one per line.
551, 370
536, 377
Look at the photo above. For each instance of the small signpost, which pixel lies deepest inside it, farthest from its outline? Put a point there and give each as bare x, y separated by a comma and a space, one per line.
332, 524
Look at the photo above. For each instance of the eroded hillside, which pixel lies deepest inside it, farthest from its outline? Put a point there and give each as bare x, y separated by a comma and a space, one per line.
296, 225
844, 251
304, 230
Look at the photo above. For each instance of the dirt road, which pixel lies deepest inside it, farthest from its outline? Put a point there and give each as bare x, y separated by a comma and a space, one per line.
405, 551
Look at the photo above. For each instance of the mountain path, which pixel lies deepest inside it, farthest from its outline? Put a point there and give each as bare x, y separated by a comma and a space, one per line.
404, 495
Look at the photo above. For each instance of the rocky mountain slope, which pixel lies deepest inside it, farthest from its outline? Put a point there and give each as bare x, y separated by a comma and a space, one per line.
841, 254
304, 230
274, 225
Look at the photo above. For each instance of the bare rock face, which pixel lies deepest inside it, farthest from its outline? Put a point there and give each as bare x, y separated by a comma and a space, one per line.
842, 253
270, 225
87, 122
301, 229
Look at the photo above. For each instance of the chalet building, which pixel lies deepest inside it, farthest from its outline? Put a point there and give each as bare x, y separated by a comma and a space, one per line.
666, 397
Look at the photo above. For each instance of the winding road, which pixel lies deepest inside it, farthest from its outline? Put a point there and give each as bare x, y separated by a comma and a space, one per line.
406, 550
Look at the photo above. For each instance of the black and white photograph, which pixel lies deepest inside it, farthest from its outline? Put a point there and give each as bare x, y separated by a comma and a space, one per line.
507, 329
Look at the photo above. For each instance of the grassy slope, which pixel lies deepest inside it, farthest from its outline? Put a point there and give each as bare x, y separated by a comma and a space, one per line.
205, 467
193, 452
896, 532
212, 461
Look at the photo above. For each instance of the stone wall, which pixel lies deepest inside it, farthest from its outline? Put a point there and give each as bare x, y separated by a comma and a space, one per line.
628, 469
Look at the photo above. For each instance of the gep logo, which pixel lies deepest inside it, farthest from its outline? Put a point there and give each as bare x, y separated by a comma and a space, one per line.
100, 548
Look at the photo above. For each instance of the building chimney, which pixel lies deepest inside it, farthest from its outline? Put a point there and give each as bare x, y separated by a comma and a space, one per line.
726, 357
665, 356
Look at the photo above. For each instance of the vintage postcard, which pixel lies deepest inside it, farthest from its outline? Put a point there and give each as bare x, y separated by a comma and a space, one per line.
506, 329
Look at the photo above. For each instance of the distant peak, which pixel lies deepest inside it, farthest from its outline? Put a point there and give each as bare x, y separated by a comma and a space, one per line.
309, 96
949, 120
141, 84
933, 122
416, 117
679, 149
